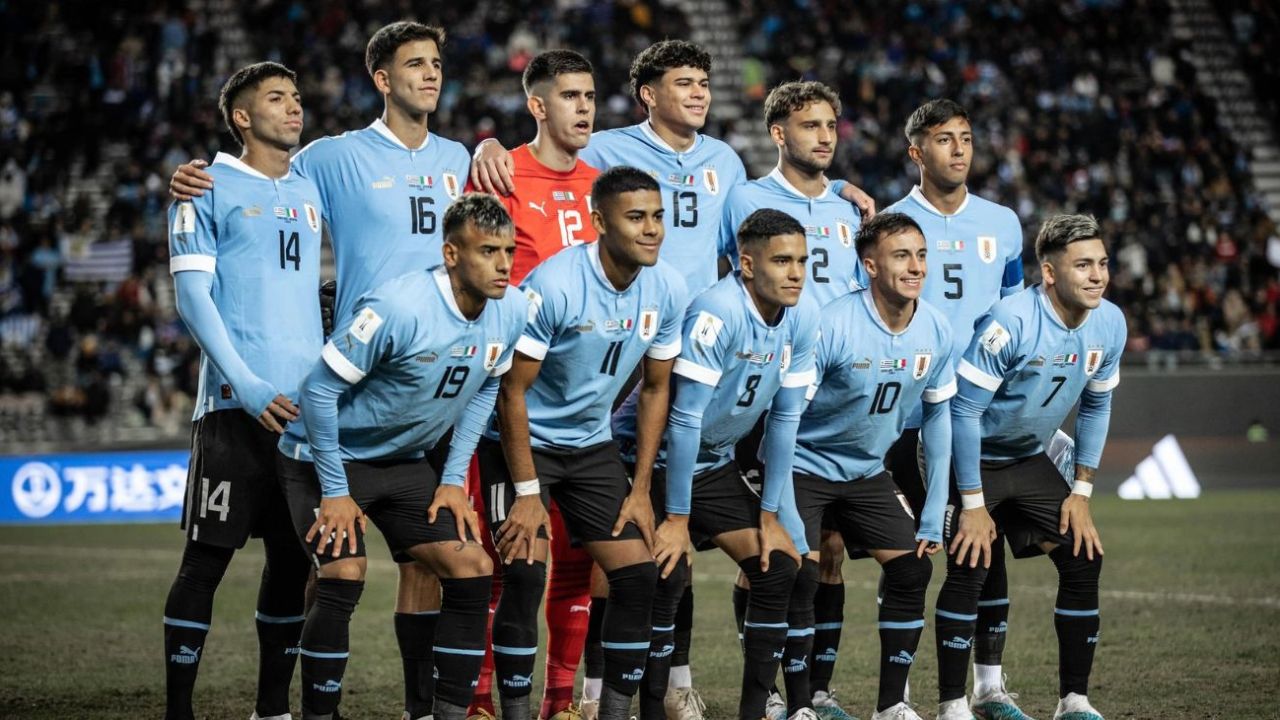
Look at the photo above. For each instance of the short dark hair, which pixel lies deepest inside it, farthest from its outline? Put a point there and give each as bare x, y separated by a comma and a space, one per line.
620, 179
552, 64
654, 61
764, 224
384, 43
932, 114
481, 210
884, 223
1059, 231
797, 95
245, 79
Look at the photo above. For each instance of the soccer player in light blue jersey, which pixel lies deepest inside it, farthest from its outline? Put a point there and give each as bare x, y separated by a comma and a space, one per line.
801, 120
1035, 356
747, 349
882, 351
420, 355
597, 311
977, 247
384, 189
245, 262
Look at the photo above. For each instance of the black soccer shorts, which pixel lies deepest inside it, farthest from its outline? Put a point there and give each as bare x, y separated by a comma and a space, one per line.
1024, 497
588, 484
233, 491
722, 500
394, 494
869, 512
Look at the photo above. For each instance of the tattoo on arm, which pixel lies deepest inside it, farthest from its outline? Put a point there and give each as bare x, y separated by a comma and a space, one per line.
1084, 474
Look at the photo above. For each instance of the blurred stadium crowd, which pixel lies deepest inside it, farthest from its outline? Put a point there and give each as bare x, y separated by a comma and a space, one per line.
1083, 105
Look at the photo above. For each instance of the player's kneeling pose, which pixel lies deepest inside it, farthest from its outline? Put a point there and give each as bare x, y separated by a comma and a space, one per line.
1034, 356
748, 348
421, 354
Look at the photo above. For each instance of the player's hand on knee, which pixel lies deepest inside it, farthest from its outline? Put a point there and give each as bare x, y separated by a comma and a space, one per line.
336, 523
638, 510
1077, 518
671, 543
280, 412
190, 181
864, 202
927, 547
454, 499
492, 169
520, 530
774, 537
973, 539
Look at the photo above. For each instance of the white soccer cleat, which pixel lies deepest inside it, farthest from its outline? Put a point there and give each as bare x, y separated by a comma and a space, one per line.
956, 709
775, 708
1075, 707
590, 709
997, 705
683, 703
825, 704
804, 714
256, 716
901, 711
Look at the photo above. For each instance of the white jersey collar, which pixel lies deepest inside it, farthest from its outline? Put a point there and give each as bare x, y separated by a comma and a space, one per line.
381, 128
751, 303
235, 162
869, 303
778, 177
919, 197
593, 257
1052, 311
441, 275
649, 132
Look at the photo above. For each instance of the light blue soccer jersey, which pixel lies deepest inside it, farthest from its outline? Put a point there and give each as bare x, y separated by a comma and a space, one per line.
260, 239
413, 361
868, 380
728, 346
695, 184
830, 225
384, 203
589, 336
1038, 369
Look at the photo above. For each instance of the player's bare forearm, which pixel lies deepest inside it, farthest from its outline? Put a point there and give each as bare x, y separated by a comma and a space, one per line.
651, 419
1085, 474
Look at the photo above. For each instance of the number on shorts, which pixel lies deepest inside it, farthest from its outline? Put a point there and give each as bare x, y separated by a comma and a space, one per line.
218, 501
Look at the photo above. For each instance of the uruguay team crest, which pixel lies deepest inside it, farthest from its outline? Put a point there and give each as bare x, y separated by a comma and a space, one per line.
648, 324
920, 366
711, 181
313, 217
451, 185
492, 352
987, 248
844, 231
1092, 360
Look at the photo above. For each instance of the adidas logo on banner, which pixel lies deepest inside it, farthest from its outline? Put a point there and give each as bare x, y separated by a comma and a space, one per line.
1166, 474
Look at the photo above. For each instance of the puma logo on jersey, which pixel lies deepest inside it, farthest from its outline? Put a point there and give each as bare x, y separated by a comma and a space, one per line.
540, 207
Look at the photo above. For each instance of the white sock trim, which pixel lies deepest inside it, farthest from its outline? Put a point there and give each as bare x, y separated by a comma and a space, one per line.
680, 677
591, 688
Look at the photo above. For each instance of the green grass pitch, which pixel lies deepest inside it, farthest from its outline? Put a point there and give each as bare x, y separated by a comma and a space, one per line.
1191, 607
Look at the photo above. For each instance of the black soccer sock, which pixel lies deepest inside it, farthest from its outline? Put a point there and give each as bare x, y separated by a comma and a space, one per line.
459, 640
741, 597
828, 623
415, 634
906, 577
993, 610
279, 617
764, 629
684, 628
954, 617
325, 643
657, 669
515, 627
625, 634
593, 653
187, 613
1075, 617
799, 645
